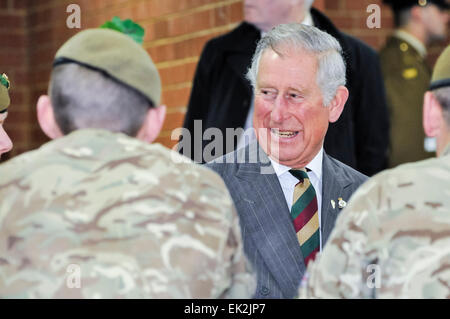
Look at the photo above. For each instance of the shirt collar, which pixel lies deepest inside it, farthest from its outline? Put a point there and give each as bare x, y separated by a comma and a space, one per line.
315, 165
308, 19
412, 40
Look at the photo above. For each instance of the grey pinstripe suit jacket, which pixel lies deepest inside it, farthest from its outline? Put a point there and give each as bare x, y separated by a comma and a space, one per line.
268, 233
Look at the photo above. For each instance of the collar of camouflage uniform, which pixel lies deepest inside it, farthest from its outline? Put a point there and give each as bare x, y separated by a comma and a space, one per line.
4, 94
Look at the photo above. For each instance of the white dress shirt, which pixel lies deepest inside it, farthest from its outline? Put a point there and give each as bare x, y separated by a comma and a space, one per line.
288, 182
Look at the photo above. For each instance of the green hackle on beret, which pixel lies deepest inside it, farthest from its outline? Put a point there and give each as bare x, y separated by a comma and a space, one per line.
4, 93
128, 27
117, 55
441, 72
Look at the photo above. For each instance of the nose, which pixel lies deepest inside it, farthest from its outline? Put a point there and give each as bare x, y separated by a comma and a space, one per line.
5, 142
280, 111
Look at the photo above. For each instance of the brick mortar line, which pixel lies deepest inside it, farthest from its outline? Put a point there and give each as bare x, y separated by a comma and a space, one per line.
189, 36
177, 86
176, 109
190, 11
167, 134
130, 3
172, 63
50, 27
21, 13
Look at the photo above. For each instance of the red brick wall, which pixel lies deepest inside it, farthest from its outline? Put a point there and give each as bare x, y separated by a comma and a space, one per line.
176, 30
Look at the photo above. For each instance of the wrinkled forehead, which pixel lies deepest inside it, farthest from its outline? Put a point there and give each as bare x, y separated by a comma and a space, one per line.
286, 51
288, 48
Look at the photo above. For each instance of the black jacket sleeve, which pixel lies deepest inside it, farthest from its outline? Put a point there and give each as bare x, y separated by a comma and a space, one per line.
199, 101
371, 121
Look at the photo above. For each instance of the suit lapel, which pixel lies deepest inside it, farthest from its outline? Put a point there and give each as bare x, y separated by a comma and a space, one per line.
268, 222
334, 184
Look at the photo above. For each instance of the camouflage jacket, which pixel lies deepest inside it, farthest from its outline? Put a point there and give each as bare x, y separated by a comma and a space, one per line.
97, 214
392, 240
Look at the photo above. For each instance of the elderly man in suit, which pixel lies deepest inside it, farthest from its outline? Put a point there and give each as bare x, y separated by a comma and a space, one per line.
287, 190
222, 99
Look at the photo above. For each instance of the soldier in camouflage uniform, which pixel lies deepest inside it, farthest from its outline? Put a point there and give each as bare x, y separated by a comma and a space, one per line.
96, 213
393, 239
5, 141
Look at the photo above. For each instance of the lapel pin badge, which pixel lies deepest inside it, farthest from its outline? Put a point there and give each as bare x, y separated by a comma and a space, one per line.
342, 203
333, 203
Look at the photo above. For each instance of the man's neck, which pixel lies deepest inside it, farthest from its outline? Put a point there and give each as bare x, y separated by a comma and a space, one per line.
416, 31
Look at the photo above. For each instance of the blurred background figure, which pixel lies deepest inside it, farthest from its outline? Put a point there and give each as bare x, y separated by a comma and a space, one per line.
5, 141
419, 23
393, 238
221, 96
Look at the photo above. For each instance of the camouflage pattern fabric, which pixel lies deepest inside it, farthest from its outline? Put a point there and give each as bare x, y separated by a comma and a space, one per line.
392, 240
97, 214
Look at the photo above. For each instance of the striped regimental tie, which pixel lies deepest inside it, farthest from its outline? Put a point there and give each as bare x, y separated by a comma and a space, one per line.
305, 215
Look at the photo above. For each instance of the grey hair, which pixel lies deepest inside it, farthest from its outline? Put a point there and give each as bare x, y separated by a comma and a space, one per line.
443, 97
84, 98
331, 64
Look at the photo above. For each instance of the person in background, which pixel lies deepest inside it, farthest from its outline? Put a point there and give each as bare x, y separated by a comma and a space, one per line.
407, 75
222, 98
5, 142
393, 238
98, 212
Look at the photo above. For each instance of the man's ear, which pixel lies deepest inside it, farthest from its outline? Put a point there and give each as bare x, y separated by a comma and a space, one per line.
337, 104
153, 124
432, 115
46, 118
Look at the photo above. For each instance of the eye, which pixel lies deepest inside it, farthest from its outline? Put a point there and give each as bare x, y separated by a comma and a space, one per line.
294, 96
266, 93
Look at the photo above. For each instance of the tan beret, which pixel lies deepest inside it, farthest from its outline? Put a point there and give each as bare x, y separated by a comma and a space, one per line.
441, 72
117, 55
4, 94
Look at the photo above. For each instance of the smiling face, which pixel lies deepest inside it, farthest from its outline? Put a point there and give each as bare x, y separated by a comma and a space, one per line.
5, 141
290, 119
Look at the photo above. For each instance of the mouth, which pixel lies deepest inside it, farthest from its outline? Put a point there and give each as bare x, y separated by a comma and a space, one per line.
284, 133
